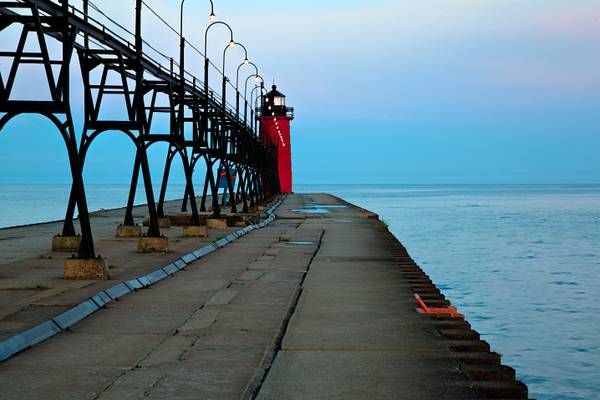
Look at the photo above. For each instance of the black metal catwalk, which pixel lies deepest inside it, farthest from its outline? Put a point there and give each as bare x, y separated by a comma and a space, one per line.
200, 126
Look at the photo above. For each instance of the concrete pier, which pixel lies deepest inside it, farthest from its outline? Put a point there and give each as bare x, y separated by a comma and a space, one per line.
318, 304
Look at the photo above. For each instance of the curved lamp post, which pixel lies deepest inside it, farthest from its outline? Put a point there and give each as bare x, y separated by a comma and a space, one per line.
212, 18
255, 101
180, 126
215, 200
258, 78
237, 81
246, 61
206, 61
252, 105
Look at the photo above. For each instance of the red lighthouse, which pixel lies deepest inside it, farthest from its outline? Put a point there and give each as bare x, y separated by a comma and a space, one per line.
275, 120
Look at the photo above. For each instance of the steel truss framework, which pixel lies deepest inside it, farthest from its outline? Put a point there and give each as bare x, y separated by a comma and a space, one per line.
218, 136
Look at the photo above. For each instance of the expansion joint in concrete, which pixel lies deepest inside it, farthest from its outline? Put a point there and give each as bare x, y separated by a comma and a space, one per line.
285, 324
138, 364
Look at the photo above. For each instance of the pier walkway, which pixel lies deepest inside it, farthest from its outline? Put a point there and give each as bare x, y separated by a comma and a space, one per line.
316, 305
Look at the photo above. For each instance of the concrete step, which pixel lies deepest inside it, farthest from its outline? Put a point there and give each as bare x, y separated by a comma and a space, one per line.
482, 372
501, 389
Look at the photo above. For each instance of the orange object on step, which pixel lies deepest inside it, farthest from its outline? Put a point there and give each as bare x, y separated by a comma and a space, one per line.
427, 310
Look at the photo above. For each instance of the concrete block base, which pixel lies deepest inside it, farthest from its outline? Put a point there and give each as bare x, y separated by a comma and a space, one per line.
91, 268
164, 222
149, 244
66, 243
252, 219
216, 223
180, 219
185, 219
195, 231
236, 220
124, 231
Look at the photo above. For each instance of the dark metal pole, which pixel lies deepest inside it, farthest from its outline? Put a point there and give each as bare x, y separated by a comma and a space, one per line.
237, 105
205, 190
86, 248
86, 40
181, 132
214, 190
153, 229
132, 189
224, 94
230, 187
262, 90
163, 187
205, 118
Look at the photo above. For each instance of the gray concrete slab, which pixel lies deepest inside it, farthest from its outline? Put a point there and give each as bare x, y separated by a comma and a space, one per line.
222, 297
316, 374
201, 319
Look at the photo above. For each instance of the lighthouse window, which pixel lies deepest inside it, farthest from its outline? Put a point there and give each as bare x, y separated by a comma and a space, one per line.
279, 101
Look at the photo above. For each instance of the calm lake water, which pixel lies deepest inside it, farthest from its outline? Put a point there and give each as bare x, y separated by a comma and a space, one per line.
522, 262
29, 204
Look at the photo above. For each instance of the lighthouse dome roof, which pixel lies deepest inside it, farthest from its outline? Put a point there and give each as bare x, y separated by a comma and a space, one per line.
274, 92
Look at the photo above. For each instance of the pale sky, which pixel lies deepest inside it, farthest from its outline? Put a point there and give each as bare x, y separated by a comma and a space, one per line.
411, 91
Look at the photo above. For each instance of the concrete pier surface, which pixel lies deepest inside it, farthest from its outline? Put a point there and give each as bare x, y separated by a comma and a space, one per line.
319, 304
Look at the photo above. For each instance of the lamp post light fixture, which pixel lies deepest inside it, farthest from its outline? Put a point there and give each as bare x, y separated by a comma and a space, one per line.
213, 16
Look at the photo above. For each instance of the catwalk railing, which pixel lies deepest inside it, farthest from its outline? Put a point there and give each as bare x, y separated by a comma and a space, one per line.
197, 123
